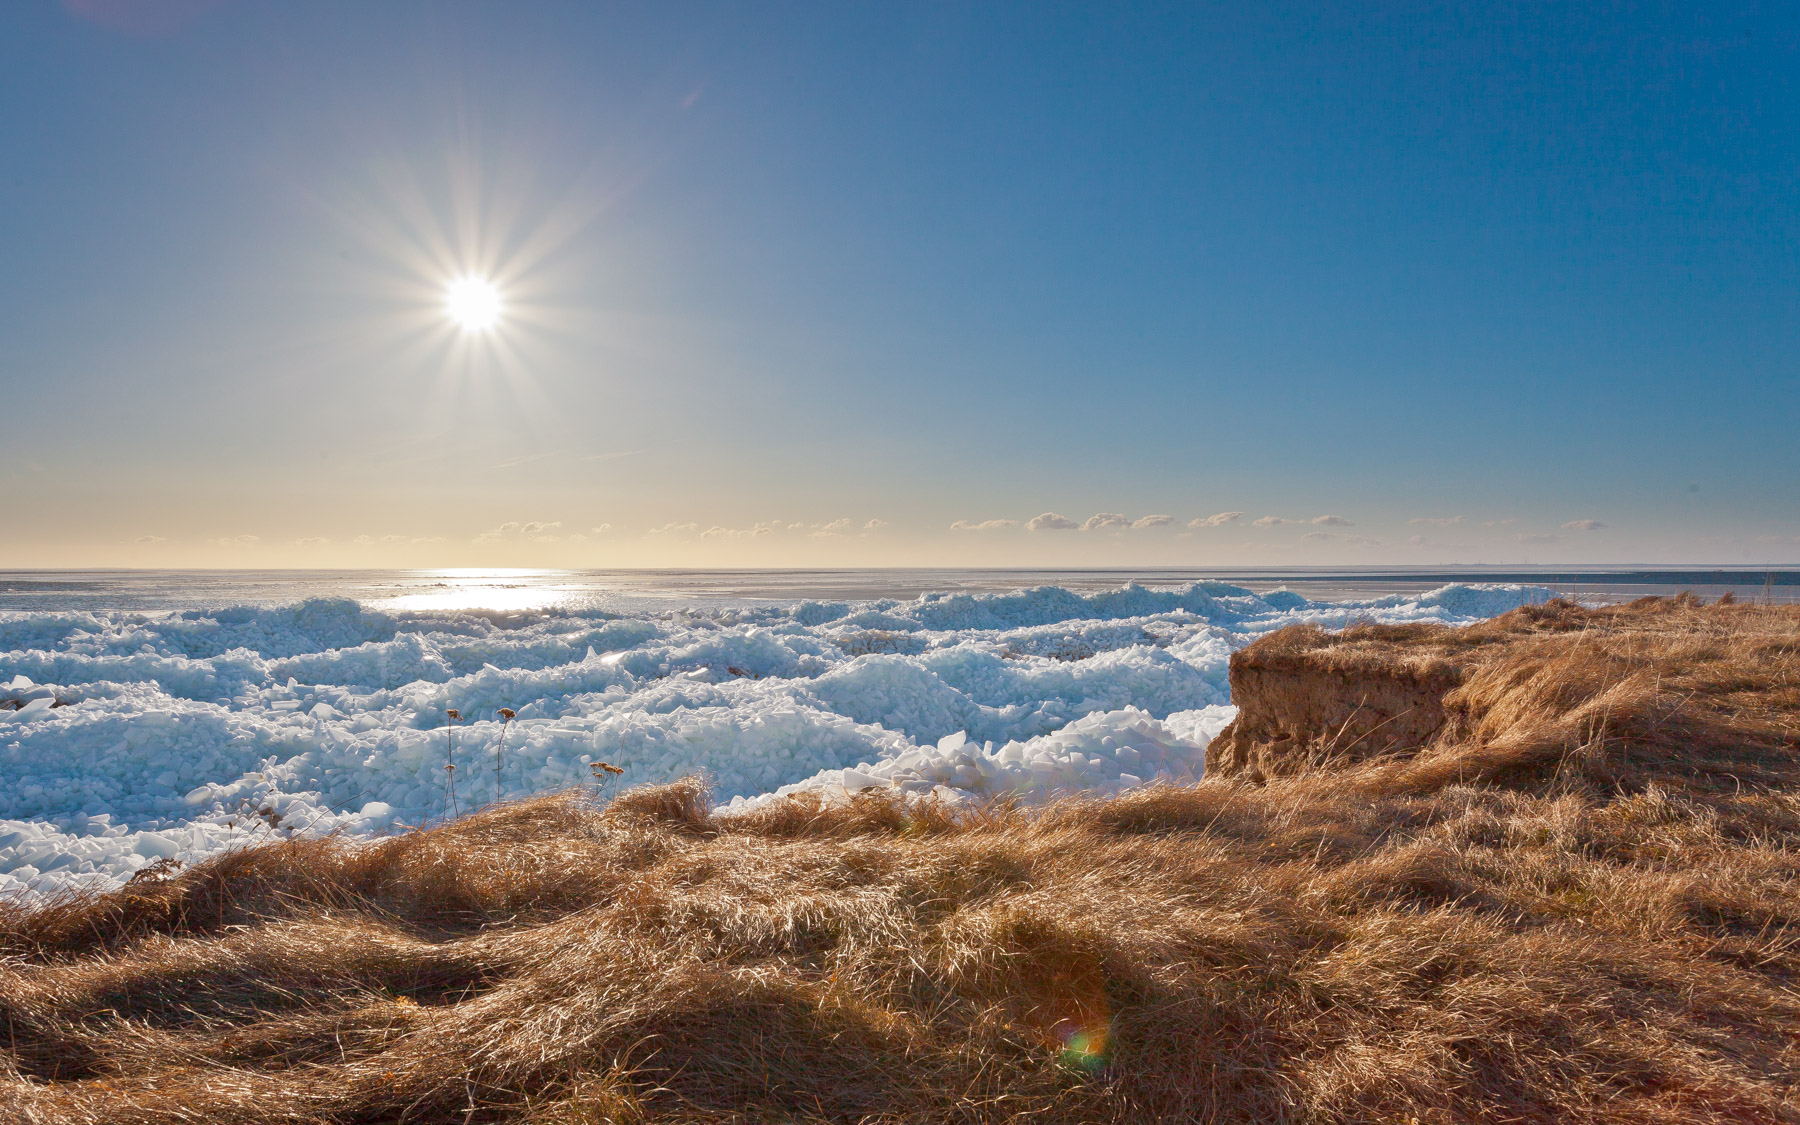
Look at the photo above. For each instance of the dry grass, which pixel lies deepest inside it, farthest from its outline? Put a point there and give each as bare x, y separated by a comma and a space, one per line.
1663, 691
1342, 945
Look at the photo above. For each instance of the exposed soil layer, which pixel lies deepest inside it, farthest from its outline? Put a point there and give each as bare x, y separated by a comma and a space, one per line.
1315, 697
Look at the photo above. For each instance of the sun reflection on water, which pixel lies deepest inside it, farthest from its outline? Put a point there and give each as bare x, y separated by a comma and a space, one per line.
504, 589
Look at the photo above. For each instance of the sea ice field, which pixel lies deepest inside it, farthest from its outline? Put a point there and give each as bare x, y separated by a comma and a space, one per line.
131, 737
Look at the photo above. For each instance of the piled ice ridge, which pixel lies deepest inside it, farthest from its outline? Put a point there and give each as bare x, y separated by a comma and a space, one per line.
128, 738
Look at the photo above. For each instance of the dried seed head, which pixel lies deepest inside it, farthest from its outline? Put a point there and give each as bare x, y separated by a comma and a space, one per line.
454, 714
507, 713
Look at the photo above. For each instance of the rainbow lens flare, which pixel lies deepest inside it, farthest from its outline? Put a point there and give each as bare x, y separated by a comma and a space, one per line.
1083, 1047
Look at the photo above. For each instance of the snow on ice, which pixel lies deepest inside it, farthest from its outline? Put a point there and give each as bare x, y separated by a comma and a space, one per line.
132, 738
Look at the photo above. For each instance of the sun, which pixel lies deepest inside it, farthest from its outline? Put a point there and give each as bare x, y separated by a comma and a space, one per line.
473, 303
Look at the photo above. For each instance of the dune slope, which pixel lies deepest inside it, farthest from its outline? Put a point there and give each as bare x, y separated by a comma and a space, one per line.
1602, 926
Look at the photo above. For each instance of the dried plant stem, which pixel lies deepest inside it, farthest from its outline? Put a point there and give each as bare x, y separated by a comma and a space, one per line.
451, 715
506, 717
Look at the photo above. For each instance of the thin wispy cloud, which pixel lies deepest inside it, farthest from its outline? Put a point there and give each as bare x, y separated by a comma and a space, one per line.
829, 530
515, 462
1219, 520
150, 539
1055, 521
1332, 521
391, 540
984, 525
1537, 537
1583, 525
1335, 537
534, 530
236, 541
311, 541
1436, 521
1274, 521
761, 529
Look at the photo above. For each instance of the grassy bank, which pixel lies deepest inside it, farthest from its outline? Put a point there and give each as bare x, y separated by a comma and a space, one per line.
1587, 909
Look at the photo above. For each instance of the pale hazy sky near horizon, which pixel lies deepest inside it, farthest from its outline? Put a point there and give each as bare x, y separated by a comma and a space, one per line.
891, 284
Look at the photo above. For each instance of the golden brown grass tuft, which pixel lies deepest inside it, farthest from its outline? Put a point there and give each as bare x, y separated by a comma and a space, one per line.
1664, 691
1353, 945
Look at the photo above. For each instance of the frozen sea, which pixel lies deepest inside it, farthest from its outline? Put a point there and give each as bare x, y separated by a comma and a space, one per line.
148, 715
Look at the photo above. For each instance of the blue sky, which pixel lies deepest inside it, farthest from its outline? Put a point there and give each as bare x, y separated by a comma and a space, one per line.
840, 284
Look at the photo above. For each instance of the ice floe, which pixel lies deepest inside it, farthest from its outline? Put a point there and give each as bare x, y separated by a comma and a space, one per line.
126, 739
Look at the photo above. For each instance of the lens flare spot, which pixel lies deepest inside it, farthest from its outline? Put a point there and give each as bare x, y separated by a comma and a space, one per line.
1084, 1047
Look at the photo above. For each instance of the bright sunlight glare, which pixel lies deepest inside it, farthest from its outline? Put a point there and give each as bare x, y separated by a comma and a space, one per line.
473, 303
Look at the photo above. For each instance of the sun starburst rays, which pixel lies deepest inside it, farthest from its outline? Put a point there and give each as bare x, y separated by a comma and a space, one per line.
473, 303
